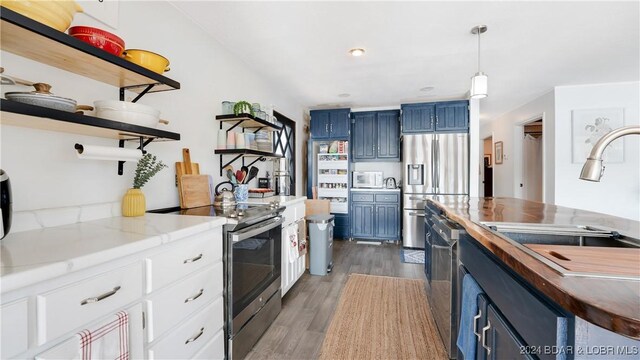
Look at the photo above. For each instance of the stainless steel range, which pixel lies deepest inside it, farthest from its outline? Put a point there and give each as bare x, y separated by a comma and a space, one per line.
252, 246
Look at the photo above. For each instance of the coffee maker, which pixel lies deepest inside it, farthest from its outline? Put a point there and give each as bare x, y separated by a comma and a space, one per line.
281, 177
5, 204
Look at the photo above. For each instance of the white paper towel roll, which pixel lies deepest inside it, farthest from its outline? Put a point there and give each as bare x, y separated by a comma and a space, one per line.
94, 152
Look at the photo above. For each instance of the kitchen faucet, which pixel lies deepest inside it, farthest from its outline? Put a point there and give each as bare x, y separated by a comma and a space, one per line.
592, 169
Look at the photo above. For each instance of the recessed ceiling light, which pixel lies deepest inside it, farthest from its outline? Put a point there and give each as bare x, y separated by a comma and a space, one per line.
356, 52
427, 88
345, 95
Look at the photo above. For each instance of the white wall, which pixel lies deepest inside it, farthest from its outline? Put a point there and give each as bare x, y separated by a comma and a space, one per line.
389, 169
43, 166
475, 155
508, 175
618, 193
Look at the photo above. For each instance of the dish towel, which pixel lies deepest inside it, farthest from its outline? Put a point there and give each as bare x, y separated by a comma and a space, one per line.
109, 341
466, 341
292, 236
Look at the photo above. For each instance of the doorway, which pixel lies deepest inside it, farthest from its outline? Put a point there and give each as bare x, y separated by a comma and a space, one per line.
532, 167
487, 179
285, 145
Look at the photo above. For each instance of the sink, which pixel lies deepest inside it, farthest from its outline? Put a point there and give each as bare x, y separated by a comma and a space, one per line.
532, 237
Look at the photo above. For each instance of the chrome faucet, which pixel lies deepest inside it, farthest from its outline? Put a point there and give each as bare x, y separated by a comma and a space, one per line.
592, 169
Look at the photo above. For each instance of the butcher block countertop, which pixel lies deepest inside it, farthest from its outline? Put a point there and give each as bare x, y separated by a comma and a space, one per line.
609, 303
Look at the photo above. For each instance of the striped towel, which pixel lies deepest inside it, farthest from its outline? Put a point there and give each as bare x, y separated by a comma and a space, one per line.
109, 341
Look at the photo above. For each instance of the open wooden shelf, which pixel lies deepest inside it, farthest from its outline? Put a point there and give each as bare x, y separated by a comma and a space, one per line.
247, 152
247, 121
28, 38
37, 117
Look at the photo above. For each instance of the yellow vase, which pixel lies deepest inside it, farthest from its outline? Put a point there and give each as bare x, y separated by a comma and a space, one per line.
133, 203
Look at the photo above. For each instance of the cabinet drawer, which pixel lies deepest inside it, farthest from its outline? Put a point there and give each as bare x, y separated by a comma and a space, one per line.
62, 310
15, 335
361, 197
536, 320
170, 305
289, 215
190, 337
183, 258
214, 348
388, 198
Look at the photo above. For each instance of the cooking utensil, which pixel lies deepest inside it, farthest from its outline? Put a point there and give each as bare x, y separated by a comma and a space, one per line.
43, 97
6, 210
239, 176
224, 197
181, 169
147, 59
128, 112
10, 80
195, 191
57, 14
99, 38
245, 171
232, 177
253, 172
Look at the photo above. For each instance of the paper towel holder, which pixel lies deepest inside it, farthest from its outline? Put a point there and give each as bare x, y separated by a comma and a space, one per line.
121, 142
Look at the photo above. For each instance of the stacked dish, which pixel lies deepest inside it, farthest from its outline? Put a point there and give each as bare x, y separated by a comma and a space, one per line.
99, 38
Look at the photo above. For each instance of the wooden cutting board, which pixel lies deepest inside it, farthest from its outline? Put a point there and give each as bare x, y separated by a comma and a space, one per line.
604, 260
186, 167
195, 191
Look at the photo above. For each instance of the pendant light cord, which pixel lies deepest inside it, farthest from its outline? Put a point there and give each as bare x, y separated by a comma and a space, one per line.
478, 50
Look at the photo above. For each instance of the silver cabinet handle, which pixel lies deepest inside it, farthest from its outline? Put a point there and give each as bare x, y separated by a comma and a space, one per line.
194, 296
100, 297
475, 324
484, 337
195, 337
416, 214
417, 198
193, 259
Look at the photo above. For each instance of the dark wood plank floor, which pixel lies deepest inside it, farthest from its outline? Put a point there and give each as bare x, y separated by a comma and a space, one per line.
307, 309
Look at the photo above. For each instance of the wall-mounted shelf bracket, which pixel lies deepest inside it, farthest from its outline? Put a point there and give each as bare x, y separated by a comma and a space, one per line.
143, 143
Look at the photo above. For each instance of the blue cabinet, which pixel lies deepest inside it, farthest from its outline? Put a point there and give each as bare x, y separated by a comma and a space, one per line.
341, 228
418, 118
363, 136
375, 215
448, 116
375, 136
330, 124
452, 116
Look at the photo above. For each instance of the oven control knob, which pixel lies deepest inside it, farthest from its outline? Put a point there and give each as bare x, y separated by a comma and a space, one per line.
240, 213
261, 299
233, 214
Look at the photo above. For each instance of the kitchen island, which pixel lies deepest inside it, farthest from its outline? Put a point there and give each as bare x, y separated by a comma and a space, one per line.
612, 304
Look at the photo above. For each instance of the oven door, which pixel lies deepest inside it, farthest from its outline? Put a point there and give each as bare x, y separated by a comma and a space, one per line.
253, 270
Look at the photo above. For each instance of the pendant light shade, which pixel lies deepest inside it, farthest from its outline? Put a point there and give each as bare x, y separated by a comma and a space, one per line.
480, 81
479, 86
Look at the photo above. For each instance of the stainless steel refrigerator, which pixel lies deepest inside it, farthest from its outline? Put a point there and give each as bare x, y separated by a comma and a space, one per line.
433, 164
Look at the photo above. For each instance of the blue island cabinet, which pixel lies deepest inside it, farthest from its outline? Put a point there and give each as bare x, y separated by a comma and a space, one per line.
375, 215
330, 124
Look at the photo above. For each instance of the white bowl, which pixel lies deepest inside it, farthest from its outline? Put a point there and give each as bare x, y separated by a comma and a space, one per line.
127, 112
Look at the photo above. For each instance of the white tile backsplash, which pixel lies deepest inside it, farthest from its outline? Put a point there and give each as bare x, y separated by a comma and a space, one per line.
45, 218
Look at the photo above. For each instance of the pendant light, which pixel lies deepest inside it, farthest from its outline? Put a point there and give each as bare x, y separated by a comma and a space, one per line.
480, 81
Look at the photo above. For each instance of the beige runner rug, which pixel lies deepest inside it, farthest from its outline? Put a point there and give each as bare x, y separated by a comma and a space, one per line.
382, 318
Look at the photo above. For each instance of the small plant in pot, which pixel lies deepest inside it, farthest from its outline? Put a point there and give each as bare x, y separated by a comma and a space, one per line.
243, 107
133, 203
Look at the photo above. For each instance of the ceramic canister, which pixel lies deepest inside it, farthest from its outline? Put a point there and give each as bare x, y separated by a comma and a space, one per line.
222, 139
231, 140
240, 143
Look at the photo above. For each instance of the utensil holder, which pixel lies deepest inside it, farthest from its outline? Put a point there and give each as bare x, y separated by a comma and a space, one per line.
241, 192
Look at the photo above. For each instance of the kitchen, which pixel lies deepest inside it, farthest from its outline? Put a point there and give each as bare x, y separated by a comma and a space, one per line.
52, 188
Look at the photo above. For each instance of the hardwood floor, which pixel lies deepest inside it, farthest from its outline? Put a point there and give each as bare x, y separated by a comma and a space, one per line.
307, 309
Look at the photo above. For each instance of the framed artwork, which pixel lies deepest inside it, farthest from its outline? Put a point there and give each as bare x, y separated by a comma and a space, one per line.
588, 126
487, 160
498, 151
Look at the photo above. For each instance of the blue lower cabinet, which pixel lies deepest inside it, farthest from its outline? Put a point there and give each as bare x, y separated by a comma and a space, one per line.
341, 227
375, 216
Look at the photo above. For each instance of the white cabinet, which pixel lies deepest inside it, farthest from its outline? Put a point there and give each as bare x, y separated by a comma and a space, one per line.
293, 266
14, 317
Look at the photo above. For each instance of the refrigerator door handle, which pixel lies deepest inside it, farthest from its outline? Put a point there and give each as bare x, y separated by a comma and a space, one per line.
436, 164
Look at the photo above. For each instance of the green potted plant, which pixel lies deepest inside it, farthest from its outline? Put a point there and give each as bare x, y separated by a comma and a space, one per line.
243, 107
133, 202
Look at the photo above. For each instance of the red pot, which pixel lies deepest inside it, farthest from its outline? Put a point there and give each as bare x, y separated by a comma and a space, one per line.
99, 38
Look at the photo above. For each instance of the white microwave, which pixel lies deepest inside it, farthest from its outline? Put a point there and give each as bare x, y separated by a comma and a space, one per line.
367, 179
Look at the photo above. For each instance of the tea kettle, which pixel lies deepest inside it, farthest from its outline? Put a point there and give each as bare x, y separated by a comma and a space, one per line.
390, 183
224, 198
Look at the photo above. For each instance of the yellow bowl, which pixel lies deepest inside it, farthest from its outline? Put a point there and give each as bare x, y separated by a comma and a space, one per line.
147, 59
57, 14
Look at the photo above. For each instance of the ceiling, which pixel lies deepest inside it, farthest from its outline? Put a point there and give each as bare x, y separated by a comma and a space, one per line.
530, 47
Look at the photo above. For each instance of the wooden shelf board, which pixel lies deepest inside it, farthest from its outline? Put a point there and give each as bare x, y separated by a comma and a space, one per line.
31, 39
37, 117
247, 121
246, 152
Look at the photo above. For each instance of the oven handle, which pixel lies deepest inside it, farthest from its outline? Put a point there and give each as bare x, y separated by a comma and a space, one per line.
256, 229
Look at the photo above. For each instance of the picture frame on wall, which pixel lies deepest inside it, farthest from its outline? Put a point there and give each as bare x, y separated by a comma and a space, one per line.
588, 126
499, 152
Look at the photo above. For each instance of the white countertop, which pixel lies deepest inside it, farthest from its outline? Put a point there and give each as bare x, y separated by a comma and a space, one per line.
283, 200
33, 256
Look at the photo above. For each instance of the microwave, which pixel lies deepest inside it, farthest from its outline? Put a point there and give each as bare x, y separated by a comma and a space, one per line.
367, 179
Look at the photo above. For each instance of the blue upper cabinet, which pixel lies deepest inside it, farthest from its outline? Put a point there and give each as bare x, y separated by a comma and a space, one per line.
448, 116
375, 136
418, 118
363, 136
389, 135
452, 116
330, 124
